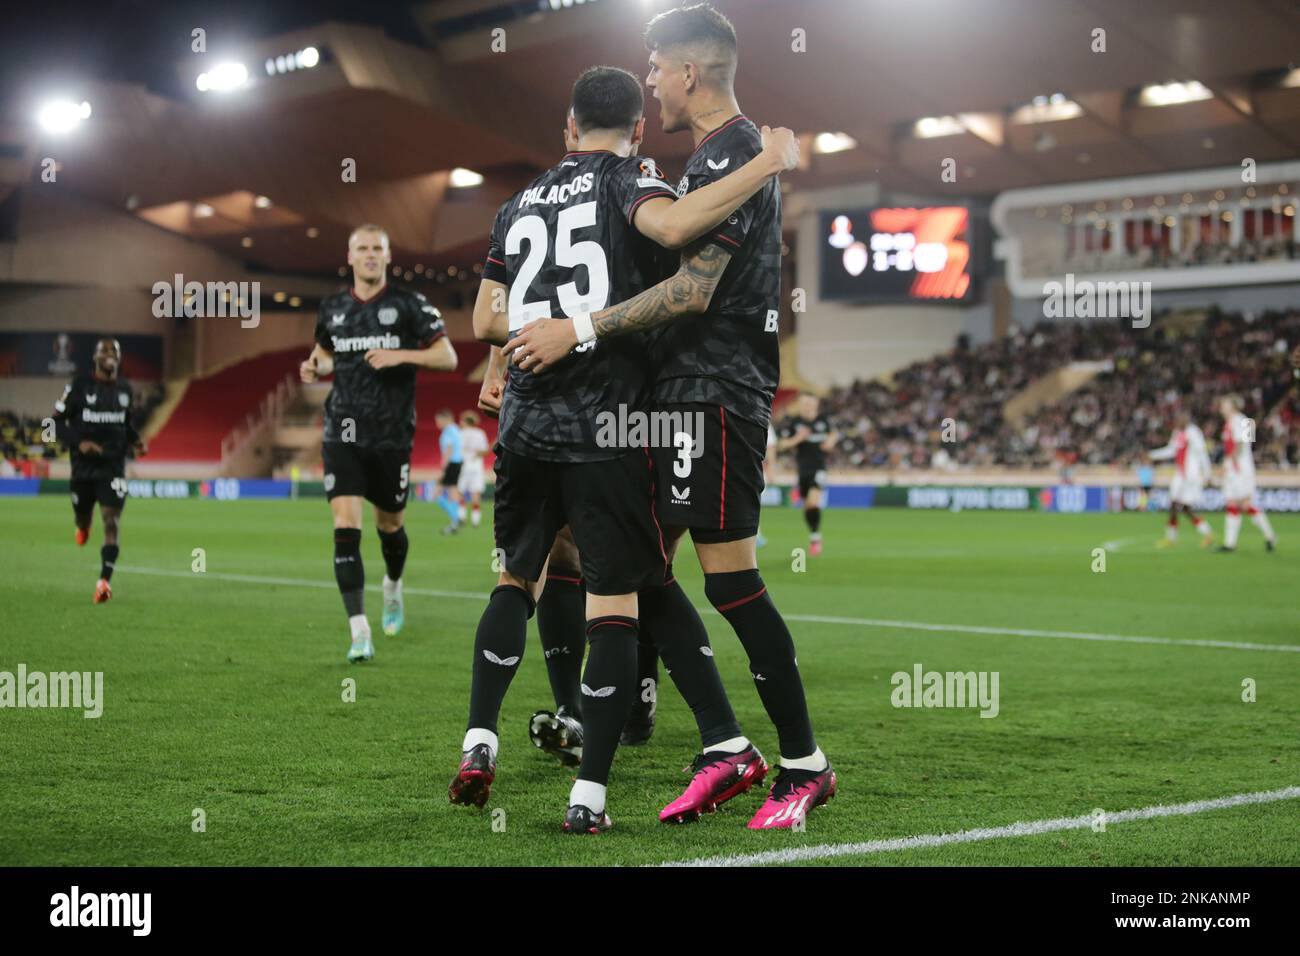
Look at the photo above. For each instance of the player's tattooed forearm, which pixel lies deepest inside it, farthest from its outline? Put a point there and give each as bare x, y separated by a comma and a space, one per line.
686, 292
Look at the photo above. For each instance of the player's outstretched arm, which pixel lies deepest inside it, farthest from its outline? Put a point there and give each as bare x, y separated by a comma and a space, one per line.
1161, 454
676, 224
689, 291
491, 316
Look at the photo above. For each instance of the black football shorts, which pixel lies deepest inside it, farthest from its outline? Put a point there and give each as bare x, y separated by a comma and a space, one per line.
714, 486
380, 475
608, 505
450, 474
808, 480
109, 492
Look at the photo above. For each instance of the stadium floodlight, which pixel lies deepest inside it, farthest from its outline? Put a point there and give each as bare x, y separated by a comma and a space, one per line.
62, 116
222, 78
833, 142
202, 210
1047, 109
308, 57
1173, 94
462, 178
928, 127
262, 202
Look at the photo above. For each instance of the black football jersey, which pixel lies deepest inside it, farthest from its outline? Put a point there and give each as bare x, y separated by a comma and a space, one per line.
808, 455
368, 407
730, 355
91, 409
564, 245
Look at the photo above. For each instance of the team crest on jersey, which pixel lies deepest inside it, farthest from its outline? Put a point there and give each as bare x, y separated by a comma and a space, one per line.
681, 187
91, 398
387, 316
122, 399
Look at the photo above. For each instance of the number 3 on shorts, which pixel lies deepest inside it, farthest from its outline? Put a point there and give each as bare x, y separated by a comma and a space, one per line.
682, 466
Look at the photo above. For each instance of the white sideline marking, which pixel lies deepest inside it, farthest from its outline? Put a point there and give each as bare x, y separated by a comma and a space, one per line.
1025, 632
808, 618
800, 854
1119, 543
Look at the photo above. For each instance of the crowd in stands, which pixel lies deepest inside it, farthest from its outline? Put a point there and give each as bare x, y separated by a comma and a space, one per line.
947, 411
1202, 246
25, 453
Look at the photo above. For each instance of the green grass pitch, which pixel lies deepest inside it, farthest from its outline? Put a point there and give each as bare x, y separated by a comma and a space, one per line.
224, 692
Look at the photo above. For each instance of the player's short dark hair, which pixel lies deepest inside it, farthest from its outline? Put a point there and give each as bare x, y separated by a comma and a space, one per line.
606, 97
702, 27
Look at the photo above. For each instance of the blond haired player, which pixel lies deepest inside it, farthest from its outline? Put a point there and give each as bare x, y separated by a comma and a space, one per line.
1239, 476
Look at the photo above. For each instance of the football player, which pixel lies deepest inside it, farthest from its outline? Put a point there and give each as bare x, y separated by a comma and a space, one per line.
94, 416
372, 338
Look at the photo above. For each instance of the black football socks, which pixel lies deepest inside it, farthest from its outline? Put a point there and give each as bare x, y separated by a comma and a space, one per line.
741, 597
498, 649
608, 690
394, 545
107, 558
670, 621
562, 624
349, 572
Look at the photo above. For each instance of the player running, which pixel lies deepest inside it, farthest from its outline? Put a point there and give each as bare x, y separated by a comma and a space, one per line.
474, 446
718, 357
811, 436
373, 338
1239, 476
1192, 463
94, 420
453, 459
583, 233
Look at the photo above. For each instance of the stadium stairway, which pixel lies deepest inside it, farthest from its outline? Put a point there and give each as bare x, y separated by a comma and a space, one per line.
211, 406
208, 408
1051, 388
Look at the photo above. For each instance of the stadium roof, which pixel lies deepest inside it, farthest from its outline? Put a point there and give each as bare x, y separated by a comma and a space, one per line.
418, 89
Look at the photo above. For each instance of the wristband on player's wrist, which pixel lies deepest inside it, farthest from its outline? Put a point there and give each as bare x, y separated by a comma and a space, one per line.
582, 326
